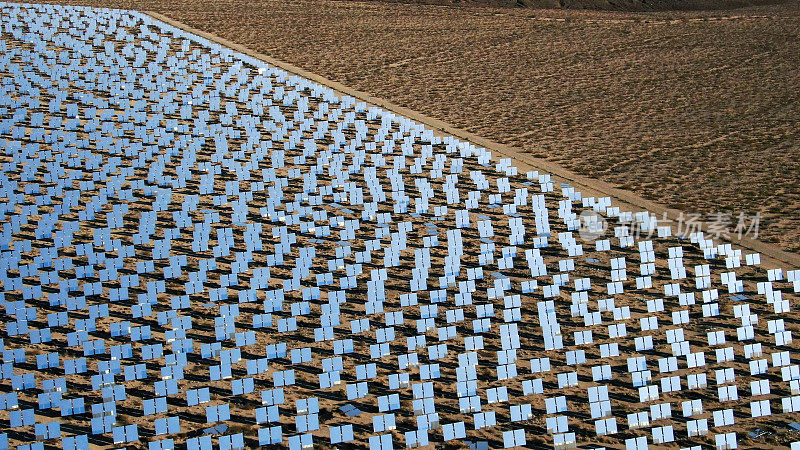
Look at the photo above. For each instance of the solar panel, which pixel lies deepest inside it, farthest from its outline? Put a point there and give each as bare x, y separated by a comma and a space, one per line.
213, 229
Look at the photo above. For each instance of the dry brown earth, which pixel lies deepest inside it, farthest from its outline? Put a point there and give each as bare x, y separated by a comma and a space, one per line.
535, 118
695, 110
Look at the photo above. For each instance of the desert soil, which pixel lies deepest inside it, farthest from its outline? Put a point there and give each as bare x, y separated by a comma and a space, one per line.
695, 110
587, 144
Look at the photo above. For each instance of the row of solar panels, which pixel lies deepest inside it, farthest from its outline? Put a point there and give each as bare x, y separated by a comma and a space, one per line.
509, 336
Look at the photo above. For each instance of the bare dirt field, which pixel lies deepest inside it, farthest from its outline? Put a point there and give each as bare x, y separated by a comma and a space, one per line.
628, 311
696, 110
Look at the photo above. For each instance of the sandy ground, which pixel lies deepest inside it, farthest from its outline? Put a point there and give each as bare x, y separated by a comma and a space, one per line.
623, 397
695, 110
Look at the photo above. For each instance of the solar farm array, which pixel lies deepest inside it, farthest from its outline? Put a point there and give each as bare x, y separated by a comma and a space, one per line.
202, 251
